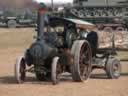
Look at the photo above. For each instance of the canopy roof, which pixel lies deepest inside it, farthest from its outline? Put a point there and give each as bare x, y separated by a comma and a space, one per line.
82, 24
54, 21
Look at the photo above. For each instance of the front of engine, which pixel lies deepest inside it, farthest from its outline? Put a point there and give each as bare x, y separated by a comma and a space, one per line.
40, 53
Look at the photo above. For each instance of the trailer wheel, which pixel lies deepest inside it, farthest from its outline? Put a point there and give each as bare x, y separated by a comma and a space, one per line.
11, 24
55, 73
107, 29
113, 68
20, 73
81, 69
120, 29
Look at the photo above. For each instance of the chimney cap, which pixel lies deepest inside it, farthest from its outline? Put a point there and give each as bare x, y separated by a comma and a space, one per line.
42, 6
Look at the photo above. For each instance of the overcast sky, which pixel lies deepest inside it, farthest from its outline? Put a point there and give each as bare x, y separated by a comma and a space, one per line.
90, 2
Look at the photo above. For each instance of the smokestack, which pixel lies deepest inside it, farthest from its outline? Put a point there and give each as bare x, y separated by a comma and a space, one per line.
41, 21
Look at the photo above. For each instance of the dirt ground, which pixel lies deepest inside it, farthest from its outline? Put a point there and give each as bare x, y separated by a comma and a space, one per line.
13, 43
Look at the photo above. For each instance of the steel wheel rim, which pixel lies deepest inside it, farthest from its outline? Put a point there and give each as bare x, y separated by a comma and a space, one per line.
83, 64
55, 73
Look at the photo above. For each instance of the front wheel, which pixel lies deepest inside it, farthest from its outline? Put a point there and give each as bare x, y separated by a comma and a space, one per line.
20, 73
55, 73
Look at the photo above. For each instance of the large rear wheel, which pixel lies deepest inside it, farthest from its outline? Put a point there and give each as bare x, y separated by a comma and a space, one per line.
81, 69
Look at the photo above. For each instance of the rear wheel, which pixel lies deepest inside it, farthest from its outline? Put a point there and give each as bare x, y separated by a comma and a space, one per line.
113, 68
81, 69
20, 73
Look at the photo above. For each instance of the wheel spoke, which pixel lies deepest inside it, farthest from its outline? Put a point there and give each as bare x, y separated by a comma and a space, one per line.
84, 57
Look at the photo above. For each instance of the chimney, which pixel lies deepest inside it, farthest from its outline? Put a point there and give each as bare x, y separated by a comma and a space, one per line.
41, 20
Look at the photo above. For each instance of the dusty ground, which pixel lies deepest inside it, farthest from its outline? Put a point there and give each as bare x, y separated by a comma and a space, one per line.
12, 46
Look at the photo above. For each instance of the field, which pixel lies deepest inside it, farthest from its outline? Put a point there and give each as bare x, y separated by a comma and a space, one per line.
13, 43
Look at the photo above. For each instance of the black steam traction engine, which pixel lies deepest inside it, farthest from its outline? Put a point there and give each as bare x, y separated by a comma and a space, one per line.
63, 45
